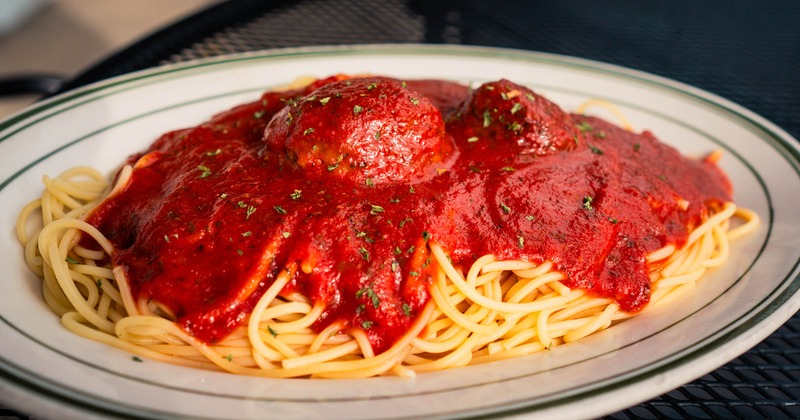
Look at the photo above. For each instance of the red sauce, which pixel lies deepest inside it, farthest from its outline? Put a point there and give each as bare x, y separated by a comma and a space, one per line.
350, 178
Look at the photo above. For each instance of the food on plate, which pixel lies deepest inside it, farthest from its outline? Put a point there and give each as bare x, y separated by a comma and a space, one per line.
360, 226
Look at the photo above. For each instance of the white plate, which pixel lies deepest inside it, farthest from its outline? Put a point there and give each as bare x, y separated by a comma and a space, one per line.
48, 371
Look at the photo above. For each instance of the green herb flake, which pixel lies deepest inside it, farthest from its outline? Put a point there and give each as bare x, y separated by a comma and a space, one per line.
258, 114
516, 108
413, 273
271, 331
395, 266
530, 217
587, 202
505, 208
296, 194
472, 139
636, 147
596, 150
397, 250
364, 253
246, 234
415, 101
370, 293
241, 204
308, 131
584, 126
515, 126
378, 135
240, 252
487, 119
357, 109
406, 309
325, 100
286, 235
214, 153
366, 325
372, 86
204, 171
137, 359
369, 182
229, 357
507, 169
279, 209
74, 261
520, 241
425, 235
375, 209
613, 220
166, 238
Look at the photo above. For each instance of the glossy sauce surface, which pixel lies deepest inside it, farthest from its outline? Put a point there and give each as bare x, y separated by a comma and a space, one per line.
349, 178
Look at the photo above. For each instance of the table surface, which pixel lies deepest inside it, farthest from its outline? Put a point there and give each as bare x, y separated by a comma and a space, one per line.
745, 51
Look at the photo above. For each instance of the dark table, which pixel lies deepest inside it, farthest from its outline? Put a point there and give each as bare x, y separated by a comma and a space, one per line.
745, 51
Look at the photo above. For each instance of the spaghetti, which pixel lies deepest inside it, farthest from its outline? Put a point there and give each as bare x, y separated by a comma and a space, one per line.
325, 293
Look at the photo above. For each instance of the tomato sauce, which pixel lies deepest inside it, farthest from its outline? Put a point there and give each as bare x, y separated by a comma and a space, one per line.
351, 177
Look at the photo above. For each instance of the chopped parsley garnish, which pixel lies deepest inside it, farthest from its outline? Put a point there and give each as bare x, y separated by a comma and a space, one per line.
369, 182
204, 171
250, 211
286, 235
325, 100
613, 220
415, 101
370, 293
279, 209
375, 209
296, 194
507, 169
595, 150
241, 204
413, 273
520, 241
364, 253
636, 147
271, 331
240, 252
258, 114
308, 131
395, 266
214, 153
372, 86
137, 359
472, 139
366, 325
587, 202
357, 109
585, 126
505, 208
229, 357
487, 119
246, 234
517, 106
406, 309
74, 261
425, 235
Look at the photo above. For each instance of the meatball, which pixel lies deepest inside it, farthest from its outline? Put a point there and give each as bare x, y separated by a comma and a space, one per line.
365, 130
506, 112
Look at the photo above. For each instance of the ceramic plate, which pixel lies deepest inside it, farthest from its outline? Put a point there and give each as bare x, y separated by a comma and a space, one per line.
48, 371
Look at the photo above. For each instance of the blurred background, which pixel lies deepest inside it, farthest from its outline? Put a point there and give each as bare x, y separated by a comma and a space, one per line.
62, 37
